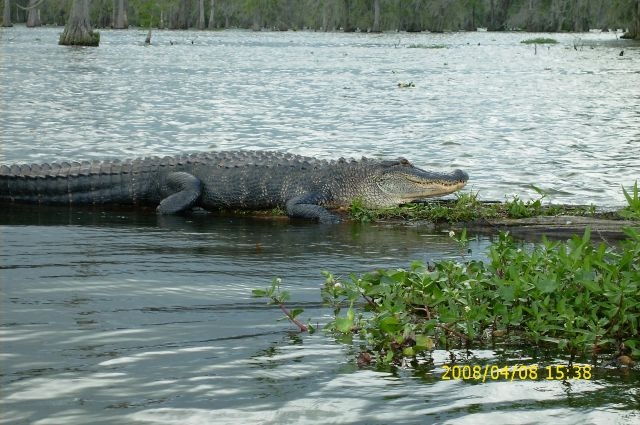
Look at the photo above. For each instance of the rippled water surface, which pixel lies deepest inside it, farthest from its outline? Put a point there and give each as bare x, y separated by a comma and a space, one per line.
565, 117
124, 317
112, 317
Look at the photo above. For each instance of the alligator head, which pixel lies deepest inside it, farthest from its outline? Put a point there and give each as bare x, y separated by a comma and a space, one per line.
396, 182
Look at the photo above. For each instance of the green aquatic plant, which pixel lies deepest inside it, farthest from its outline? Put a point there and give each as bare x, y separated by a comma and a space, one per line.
632, 210
540, 40
274, 295
517, 208
572, 297
359, 212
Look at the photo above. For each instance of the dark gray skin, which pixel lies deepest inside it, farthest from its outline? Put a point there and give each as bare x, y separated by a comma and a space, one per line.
248, 180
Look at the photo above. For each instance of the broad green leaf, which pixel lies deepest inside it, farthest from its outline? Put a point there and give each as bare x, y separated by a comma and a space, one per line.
408, 352
423, 342
258, 293
390, 324
507, 293
546, 285
295, 312
343, 324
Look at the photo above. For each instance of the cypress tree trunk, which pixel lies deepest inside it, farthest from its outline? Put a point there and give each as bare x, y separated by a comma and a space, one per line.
6, 15
120, 20
212, 15
638, 19
635, 25
183, 15
33, 18
325, 16
376, 16
77, 31
499, 14
346, 21
201, 24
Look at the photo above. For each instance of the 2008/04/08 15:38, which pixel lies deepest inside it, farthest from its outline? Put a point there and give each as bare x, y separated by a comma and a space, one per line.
484, 373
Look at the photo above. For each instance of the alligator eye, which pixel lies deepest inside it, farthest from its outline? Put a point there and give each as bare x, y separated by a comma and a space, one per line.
400, 161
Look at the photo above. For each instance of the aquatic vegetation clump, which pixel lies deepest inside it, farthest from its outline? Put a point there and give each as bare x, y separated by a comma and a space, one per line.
575, 297
540, 40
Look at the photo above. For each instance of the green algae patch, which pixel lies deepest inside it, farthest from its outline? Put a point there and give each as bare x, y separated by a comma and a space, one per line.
540, 40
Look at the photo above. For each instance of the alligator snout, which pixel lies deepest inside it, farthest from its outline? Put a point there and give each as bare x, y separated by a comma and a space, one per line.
460, 175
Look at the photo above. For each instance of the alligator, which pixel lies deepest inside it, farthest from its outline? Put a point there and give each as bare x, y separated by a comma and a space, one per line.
247, 180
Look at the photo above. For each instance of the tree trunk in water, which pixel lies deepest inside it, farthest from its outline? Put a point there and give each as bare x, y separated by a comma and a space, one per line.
120, 20
528, 25
638, 19
580, 21
201, 23
346, 23
78, 30
325, 16
6, 15
212, 21
256, 19
376, 16
183, 15
33, 19
499, 13
634, 31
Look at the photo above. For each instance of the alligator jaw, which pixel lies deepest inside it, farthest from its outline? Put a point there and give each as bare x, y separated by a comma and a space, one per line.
432, 191
417, 184
430, 188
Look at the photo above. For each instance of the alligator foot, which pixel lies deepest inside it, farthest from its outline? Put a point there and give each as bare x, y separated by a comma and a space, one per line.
186, 190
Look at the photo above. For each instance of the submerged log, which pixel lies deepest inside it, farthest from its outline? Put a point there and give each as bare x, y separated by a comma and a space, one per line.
553, 227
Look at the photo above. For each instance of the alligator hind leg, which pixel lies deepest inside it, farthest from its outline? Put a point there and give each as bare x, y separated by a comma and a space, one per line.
307, 207
185, 189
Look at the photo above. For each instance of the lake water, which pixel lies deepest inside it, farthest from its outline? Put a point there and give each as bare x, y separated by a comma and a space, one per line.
123, 317
563, 119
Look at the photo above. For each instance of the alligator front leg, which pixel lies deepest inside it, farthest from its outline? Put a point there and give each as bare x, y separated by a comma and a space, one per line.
306, 206
184, 189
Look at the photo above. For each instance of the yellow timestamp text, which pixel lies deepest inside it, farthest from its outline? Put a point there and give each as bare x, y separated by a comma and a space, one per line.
518, 372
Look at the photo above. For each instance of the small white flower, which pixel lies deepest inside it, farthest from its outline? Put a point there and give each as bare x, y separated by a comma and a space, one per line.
451, 233
467, 308
337, 285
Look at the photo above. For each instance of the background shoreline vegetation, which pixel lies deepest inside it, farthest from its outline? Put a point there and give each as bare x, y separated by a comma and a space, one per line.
341, 15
